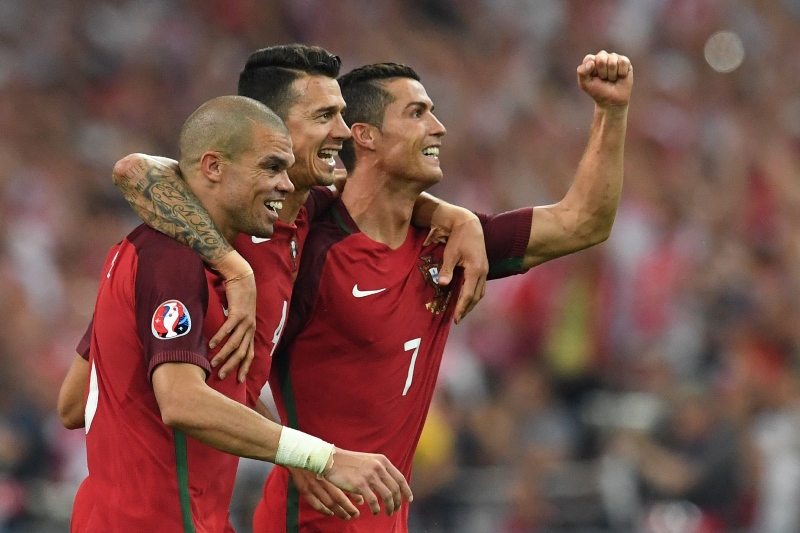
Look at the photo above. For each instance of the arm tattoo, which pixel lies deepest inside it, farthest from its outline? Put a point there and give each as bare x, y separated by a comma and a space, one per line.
166, 204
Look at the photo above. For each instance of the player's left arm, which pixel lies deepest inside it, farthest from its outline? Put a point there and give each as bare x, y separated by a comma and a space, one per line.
460, 231
585, 215
72, 396
153, 187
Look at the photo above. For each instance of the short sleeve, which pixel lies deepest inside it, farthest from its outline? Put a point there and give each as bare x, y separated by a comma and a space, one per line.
86, 341
171, 304
506, 236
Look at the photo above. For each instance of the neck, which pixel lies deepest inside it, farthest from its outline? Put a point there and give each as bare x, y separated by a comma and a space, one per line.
380, 205
292, 204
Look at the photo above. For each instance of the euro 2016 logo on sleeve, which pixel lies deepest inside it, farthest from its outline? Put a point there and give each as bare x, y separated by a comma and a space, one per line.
441, 295
171, 320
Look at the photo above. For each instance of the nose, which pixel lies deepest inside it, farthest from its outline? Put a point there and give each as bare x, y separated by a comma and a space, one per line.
340, 131
284, 183
437, 127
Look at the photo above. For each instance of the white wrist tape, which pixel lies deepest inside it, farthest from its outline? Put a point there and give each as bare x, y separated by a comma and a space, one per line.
301, 450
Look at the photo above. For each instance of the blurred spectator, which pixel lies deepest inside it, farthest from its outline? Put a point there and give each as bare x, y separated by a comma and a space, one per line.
692, 460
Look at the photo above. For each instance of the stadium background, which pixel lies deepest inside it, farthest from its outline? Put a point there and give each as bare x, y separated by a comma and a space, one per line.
648, 384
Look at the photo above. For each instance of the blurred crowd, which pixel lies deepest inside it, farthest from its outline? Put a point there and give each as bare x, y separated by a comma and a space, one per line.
649, 384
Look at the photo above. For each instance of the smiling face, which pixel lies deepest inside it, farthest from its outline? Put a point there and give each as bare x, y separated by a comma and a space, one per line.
408, 142
256, 182
317, 128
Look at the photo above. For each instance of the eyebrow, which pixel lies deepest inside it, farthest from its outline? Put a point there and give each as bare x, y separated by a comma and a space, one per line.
273, 160
421, 104
330, 109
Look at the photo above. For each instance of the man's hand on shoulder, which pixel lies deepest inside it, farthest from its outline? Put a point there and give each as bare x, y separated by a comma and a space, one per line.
461, 232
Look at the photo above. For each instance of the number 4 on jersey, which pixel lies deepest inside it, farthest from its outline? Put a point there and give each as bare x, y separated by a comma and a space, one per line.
413, 344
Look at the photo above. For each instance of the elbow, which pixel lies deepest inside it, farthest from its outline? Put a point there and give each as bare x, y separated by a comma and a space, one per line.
71, 416
124, 166
177, 413
600, 235
173, 415
596, 229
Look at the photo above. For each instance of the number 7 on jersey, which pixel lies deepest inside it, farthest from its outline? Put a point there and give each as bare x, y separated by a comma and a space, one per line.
413, 344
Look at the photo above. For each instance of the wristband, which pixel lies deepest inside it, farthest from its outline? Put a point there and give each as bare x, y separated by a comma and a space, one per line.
301, 450
232, 266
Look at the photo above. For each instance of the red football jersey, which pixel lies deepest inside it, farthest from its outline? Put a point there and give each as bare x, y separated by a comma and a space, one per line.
275, 262
361, 351
156, 303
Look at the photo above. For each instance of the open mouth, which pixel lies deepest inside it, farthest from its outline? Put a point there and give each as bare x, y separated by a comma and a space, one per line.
431, 151
328, 155
274, 205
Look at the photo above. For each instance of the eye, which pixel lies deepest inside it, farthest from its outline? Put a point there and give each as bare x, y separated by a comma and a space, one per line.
416, 113
327, 115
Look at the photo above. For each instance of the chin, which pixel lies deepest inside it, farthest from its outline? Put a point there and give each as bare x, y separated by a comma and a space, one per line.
325, 179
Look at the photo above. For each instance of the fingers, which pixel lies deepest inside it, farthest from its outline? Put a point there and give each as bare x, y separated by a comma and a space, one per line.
465, 299
604, 65
436, 235
329, 500
324, 496
399, 478
373, 477
429, 238
394, 498
233, 342
473, 291
318, 506
244, 368
450, 259
393, 488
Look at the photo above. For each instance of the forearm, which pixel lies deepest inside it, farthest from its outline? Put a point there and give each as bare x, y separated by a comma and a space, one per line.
264, 411
214, 419
596, 192
585, 215
431, 212
231, 427
164, 202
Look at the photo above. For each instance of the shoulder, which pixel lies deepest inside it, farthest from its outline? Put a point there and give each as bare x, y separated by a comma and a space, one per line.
318, 202
164, 256
156, 245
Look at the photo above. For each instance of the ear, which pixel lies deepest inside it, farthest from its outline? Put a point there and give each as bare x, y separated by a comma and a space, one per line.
364, 135
211, 164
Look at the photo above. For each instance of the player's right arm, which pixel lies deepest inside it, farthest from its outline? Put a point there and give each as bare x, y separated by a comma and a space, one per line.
154, 189
585, 215
72, 396
188, 404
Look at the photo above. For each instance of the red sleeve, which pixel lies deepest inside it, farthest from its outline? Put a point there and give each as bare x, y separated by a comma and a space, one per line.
171, 304
86, 341
319, 199
506, 236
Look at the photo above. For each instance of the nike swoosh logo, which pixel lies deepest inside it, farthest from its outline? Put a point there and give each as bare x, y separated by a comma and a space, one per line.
224, 310
259, 240
360, 294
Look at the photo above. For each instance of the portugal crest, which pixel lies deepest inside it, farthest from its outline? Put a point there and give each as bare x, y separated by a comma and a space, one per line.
441, 295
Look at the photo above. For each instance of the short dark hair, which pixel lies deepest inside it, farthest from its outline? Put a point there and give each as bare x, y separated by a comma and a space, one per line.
366, 97
268, 74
